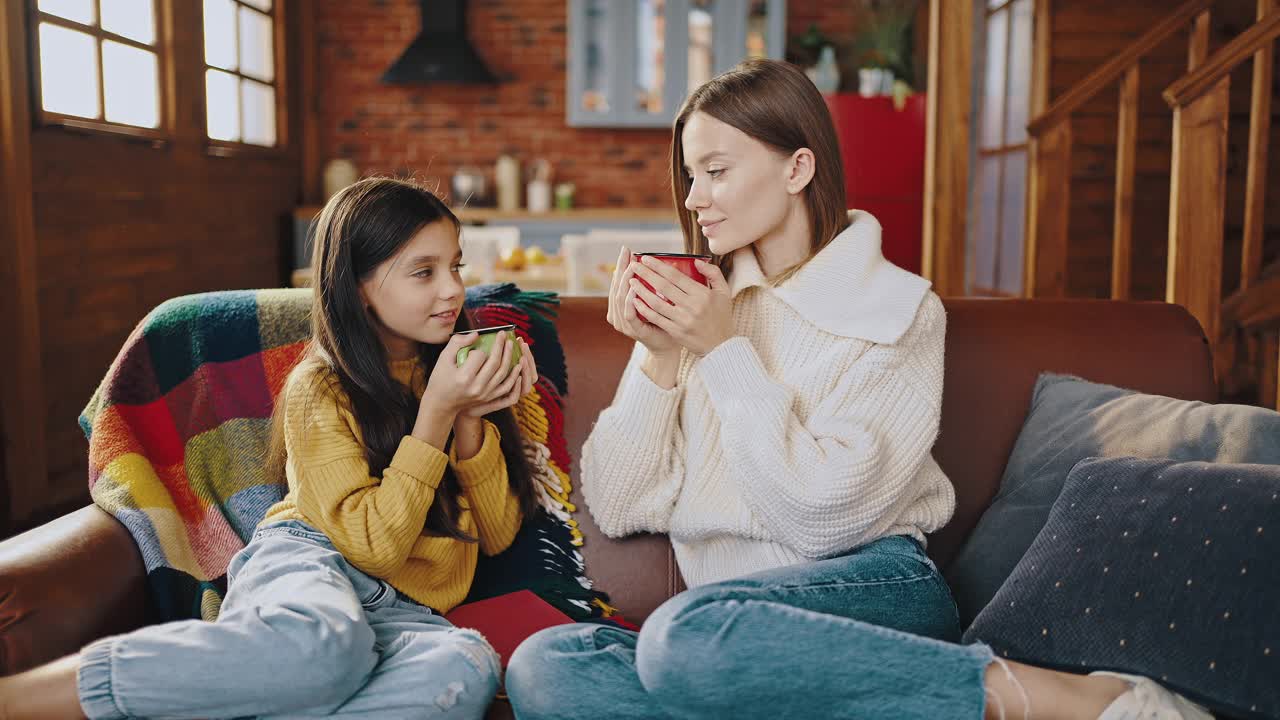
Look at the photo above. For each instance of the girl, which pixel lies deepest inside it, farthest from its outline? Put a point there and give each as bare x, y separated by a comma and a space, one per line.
401, 468
777, 425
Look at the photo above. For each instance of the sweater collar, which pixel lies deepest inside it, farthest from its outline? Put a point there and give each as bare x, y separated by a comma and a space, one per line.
847, 289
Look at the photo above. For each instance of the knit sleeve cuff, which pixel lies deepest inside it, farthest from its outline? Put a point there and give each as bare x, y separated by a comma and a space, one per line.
645, 407
732, 374
487, 464
420, 461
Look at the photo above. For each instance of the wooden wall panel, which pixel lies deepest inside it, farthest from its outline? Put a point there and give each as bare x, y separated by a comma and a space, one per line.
22, 441
123, 225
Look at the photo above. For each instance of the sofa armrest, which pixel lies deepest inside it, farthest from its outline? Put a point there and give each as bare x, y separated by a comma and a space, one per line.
65, 584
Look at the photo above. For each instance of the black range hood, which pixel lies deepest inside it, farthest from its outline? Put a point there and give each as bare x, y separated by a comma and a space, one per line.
441, 53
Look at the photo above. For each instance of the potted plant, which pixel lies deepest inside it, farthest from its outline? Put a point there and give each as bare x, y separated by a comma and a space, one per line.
882, 44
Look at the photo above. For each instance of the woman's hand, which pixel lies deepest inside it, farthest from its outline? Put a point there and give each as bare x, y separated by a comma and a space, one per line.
482, 382
696, 316
622, 313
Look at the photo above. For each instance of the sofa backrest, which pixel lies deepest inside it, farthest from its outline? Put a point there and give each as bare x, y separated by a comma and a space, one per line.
995, 350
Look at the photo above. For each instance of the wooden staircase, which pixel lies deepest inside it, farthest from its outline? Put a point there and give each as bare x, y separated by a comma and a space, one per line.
1244, 328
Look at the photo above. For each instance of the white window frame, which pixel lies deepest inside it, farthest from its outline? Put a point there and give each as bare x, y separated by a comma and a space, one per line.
163, 49
279, 36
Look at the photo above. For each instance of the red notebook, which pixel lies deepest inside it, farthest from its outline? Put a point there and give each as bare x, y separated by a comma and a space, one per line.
506, 620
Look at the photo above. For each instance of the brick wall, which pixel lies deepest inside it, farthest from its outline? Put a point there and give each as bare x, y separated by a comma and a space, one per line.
428, 131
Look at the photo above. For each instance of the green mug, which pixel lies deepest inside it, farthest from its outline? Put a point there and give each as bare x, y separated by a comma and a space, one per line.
485, 342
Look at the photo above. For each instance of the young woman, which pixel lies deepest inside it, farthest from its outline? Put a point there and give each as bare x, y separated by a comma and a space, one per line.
401, 468
777, 424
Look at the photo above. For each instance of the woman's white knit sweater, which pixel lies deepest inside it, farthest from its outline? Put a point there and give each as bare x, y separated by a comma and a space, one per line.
804, 436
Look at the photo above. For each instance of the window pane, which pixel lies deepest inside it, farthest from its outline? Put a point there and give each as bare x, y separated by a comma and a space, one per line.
1011, 235
220, 33
134, 19
130, 82
80, 11
263, 5
993, 83
595, 96
257, 58
649, 78
1019, 73
986, 202
701, 58
758, 29
68, 72
222, 96
259, 113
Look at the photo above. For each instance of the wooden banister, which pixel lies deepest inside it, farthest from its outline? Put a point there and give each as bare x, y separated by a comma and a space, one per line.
1049, 214
1198, 193
1117, 66
1198, 43
1050, 132
1197, 200
1126, 166
1219, 65
1198, 184
1256, 180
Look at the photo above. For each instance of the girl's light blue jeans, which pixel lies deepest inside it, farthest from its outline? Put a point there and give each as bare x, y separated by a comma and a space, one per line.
302, 633
866, 635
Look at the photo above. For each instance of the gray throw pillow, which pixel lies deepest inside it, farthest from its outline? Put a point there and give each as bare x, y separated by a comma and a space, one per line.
1156, 568
1071, 419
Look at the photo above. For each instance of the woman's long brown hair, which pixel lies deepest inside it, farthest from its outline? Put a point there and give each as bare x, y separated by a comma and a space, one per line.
775, 103
361, 227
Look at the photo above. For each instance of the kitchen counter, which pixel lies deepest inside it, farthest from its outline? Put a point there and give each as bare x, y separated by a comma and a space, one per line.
536, 229
548, 277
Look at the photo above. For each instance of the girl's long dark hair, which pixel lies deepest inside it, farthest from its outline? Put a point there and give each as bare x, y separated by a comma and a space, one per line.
362, 226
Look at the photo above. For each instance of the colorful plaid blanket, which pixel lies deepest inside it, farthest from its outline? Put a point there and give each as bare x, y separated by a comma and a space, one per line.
178, 433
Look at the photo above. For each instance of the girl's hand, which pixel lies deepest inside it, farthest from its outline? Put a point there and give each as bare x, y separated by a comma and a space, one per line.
481, 379
622, 313
521, 381
697, 317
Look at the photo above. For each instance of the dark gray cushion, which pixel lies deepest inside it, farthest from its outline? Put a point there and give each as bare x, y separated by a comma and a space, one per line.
1071, 419
1157, 568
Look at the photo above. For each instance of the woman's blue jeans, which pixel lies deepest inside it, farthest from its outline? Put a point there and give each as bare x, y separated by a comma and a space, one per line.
870, 634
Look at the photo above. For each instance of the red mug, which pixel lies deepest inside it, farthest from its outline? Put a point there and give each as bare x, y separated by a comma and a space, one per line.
683, 262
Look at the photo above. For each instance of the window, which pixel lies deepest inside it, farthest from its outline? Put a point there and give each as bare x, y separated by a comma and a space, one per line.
241, 86
633, 62
99, 64
997, 207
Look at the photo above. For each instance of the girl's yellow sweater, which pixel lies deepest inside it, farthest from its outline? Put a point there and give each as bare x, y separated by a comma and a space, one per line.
377, 522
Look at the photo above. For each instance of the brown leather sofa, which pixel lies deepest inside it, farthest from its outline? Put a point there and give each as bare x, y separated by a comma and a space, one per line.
80, 577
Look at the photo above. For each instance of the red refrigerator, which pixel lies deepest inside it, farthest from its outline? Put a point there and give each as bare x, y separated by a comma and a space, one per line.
883, 153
